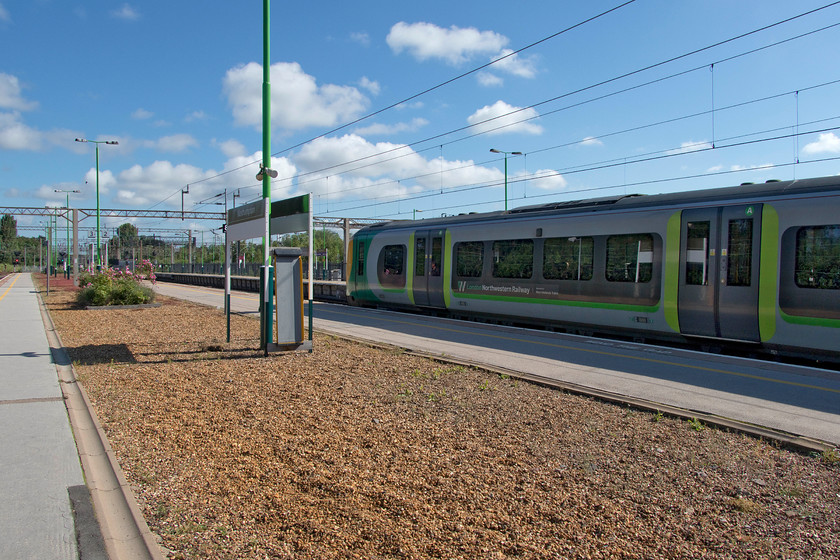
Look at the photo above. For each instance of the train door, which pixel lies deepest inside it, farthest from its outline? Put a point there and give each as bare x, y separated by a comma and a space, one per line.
428, 262
421, 261
718, 291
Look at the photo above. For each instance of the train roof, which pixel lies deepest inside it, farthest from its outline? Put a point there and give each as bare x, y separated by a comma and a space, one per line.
746, 191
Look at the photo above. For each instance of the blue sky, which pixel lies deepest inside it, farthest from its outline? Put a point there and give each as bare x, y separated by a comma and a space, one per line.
178, 85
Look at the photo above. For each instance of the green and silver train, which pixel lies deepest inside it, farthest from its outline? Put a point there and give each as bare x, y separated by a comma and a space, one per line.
756, 265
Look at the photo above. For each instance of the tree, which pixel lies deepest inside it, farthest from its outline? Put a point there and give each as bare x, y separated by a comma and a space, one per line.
127, 234
334, 244
8, 228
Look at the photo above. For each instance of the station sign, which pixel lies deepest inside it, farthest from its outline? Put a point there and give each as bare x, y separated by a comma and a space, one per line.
246, 213
246, 221
290, 215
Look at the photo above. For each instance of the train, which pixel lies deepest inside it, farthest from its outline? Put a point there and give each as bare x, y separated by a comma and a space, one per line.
754, 267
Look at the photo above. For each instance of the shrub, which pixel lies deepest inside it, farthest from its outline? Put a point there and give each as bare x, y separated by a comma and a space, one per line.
117, 287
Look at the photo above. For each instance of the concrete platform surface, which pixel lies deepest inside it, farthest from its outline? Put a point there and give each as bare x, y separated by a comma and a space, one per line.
38, 457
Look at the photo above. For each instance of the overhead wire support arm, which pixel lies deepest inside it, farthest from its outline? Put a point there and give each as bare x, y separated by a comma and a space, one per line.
183, 192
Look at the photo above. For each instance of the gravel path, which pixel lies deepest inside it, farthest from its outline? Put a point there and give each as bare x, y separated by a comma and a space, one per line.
360, 452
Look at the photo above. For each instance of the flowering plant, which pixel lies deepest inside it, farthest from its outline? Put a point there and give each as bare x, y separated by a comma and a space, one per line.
117, 287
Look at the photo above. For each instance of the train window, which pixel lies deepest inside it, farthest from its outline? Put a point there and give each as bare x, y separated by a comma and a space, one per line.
697, 254
437, 244
513, 258
818, 257
420, 256
630, 258
739, 269
391, 269
568, 258
360, 262
469, 259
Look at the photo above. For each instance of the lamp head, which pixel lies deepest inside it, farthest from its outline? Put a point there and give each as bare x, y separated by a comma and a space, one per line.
495, 151
263, 170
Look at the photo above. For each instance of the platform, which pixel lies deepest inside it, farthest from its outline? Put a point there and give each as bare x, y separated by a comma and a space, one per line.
38, 456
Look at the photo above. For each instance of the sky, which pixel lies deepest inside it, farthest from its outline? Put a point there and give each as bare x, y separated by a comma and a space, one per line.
389, 110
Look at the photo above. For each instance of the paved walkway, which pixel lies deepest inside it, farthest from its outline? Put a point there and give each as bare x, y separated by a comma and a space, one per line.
39, 463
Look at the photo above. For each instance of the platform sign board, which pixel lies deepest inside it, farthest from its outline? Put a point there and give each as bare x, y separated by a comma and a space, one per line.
246, 221
294, 215
290, 215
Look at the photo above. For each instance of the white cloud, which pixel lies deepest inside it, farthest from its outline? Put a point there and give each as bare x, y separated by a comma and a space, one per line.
297, 100
140, 186
176, 143
591, 141
126, 12
370, 85
413, 105
10, 94
196, 116
14, 135
503, 118
231, 148
544, 179
378, 129
690, 146
397, 173
59, 199
4, 14
106, 180
142, 114
455, 45
828, 143
514, 64
488, 80
748, 167
361, 38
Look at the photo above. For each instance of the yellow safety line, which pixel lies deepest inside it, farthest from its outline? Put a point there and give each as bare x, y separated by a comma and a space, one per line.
617, 355
10, 286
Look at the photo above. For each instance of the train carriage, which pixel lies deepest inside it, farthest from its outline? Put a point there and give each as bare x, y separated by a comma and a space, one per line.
754, 265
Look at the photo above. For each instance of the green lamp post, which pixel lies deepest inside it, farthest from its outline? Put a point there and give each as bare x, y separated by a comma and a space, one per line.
67, 206
495, 151
97, 142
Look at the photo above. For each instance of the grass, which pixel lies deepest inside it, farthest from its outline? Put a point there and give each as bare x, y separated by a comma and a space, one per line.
745, 505
830, 457
696, 425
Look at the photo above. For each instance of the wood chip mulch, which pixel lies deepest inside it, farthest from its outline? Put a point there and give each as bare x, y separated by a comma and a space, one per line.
360, 452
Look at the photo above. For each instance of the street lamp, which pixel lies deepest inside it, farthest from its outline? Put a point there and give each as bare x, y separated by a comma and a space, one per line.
67, 205
495, 151
97, 142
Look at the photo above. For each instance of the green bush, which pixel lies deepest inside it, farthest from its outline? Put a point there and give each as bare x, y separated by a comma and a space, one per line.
113, 287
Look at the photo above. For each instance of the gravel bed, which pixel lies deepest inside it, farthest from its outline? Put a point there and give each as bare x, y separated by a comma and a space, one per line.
360, 452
